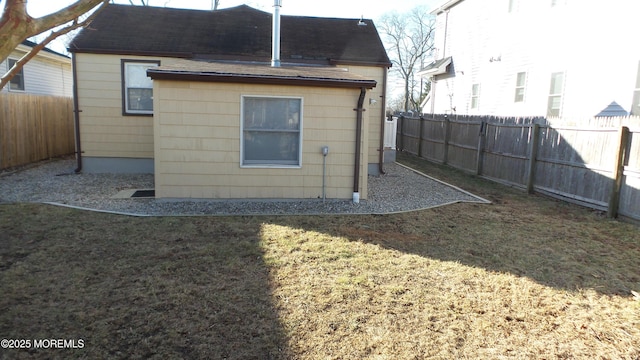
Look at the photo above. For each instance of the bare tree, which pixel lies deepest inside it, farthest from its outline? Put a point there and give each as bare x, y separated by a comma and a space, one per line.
409, 41
16, 25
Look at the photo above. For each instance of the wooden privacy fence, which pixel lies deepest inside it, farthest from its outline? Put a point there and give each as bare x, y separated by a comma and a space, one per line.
598, 167
34, 128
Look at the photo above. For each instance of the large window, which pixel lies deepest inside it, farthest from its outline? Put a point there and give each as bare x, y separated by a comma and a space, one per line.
271, 131
137, 87
554, 105
521, 81
635, 107
17, 81
475, 96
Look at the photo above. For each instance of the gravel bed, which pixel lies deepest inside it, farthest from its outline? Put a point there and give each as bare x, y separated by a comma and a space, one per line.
399, 190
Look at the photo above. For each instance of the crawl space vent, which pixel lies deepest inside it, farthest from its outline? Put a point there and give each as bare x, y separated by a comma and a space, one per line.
144, 194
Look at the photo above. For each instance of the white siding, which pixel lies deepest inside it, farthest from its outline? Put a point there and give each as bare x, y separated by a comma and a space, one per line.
44, 76
584, 39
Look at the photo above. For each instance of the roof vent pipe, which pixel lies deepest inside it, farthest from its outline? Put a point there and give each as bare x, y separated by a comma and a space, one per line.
275, 42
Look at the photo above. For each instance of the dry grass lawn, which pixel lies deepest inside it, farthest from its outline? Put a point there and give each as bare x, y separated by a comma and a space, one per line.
523, 278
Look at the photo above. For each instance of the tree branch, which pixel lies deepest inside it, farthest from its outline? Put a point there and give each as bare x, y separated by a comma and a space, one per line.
55, 34
16, 24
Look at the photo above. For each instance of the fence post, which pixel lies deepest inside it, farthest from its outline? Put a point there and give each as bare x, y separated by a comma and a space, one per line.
533, 154
481, 141
447, 131
400, 139
618, 172
421, 125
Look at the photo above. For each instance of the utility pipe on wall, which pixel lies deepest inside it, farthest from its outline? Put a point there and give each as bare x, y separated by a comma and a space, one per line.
356, 177
76, 112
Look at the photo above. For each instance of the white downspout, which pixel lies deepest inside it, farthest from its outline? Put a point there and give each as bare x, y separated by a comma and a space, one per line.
275, 41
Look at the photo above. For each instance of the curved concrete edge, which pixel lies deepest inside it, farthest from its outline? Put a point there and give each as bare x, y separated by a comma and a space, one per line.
121, 213
93, 210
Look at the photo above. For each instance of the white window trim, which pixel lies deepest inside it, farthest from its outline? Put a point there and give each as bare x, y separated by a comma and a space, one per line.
560, 94
126, 64
523, 87
24, 85
271, 166
636, 94
475, 96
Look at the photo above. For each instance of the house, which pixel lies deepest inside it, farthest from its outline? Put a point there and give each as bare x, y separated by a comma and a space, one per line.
48, 73
567, 58
207, 103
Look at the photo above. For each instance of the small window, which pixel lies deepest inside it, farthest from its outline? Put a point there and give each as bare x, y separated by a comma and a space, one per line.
521, 80
554, 105
475, 96
271, 131
17, 81
635, 107
137, 87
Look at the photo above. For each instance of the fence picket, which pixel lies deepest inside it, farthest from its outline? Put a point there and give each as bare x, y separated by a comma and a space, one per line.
34, 128
556, 157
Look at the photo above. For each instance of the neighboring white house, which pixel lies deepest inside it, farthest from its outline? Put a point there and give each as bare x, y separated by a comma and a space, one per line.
48, 73
569, 58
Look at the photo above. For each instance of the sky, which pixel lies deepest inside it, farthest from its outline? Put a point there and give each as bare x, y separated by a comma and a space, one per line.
322, 8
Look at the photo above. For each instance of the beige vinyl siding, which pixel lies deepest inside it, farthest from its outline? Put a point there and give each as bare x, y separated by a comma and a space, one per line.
197, 143
103, 130
373, 111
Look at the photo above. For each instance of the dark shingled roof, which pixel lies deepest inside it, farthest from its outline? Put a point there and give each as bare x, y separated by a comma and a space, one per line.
238, 33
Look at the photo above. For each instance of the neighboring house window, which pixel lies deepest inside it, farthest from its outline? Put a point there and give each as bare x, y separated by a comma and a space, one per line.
17, 81
635, 107
271, 131
137, 87
555, 94
514, 5
521, 80
475, 95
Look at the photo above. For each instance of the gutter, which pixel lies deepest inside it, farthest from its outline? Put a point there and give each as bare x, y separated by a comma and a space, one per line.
383, 119
356, 177
76, 112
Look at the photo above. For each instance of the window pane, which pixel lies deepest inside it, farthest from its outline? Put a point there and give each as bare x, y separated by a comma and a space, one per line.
137, 76
521, 79
272, 114
519, 94
635, 108
271, 147
553, 107
140, 99
638, 77
17, 81
556, 83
